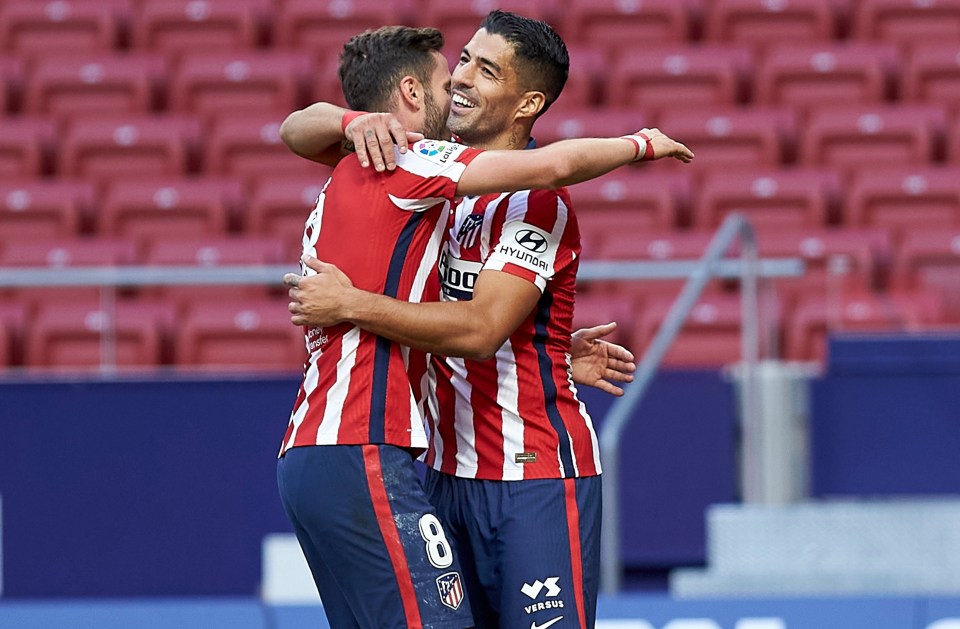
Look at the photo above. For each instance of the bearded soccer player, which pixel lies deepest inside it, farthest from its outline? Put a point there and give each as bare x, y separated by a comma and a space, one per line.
513, 456
378, 552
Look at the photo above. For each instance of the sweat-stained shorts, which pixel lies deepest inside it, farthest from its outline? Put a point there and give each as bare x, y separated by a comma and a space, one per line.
378, 553
530, 549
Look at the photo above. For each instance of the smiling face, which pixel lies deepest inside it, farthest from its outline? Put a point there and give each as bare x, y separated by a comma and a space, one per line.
486, 93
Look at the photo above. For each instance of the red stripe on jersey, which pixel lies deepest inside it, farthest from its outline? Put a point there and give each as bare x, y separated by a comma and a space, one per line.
576, 560
487, 419
391, 537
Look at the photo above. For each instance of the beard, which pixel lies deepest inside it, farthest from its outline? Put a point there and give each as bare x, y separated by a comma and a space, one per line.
435, 120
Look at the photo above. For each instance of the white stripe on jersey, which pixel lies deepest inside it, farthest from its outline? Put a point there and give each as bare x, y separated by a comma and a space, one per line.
309, 384
467, 459
433, 406
585, 414
337, 393
416, 205
508, 395
428, 263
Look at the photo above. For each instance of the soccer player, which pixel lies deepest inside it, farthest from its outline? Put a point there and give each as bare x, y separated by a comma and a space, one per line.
378, 553
513, 456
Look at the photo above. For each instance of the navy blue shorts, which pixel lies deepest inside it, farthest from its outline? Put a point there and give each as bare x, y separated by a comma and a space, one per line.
530, 549
378, 553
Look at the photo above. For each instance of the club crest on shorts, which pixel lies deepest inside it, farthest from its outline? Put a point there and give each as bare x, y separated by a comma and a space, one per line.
451, 589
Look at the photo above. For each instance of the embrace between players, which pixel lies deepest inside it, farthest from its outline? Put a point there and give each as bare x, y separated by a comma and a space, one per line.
440, 320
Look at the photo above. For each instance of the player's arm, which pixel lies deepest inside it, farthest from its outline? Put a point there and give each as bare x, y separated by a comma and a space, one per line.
470, 329
564, 163
325, 133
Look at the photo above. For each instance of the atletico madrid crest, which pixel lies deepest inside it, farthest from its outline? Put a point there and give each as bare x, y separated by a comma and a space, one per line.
451, 590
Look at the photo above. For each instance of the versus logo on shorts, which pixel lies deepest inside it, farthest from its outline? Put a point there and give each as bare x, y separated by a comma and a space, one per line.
550, 590
451, 589
432, 148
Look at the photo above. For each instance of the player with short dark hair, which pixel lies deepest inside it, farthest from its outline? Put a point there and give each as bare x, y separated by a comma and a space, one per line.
378, 552
514, 465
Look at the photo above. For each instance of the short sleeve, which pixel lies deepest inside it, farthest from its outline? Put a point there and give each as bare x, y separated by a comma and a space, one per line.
428, 174
533, 242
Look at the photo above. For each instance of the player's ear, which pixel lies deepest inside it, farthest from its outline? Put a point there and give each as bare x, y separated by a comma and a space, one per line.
532, 104
411, 93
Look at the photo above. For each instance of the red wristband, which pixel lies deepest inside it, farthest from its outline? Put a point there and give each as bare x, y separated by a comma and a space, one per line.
648, 154
349, 117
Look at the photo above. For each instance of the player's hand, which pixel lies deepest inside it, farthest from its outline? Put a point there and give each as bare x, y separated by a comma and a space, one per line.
374, 136
598, 363
664, 146
318, 300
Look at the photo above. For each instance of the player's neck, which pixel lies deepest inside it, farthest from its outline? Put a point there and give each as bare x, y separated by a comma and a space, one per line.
512, 139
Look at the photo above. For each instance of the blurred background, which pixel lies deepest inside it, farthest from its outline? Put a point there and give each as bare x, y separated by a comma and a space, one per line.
147, 366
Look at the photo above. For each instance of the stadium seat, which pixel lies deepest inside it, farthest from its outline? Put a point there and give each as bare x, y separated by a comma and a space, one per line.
709, 338
810, 76
279, 208
586, 84
836, 260
11, 76
953, 143
24, 146
591, 310
666, 79
907, 23
249, 334
41, 210
128, 146
899, 199
326, 83
213, 252
13, 317
619, 25
58, 26
458, 21
895, 311
929, 259
623, 201
323, 26
92, 84
250, 147
731, 139
764, 24
6, 346
932, 75
773, 200
178, 26
86, 336
868, 137
156, 209
260, 83
563, 123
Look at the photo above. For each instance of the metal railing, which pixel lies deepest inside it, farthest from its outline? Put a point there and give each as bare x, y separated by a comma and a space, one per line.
711, 265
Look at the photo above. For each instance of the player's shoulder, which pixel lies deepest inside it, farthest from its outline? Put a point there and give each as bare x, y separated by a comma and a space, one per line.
438, 152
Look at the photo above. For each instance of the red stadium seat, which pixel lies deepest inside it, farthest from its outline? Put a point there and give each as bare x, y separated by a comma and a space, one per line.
11, 76
259, 83
929, 259
280, 206
597, 309
764, 24
899, 199
772, 200
624, 200
562, 123
869, 137
6, 347
953, 143
623, 25
666, 79
151, 210
736, 138
324, 26
178, 26
587, 81
458, 21
132, 146
250, 147
87, 84
709, 338
326, 84
867, 312
58, 26
250, 334
48, 210
86, 336
932, 75
811, 76
24, 144
13, 317
836, 261
907, 23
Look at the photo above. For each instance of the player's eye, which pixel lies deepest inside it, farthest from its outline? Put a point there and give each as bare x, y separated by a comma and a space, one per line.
463, 59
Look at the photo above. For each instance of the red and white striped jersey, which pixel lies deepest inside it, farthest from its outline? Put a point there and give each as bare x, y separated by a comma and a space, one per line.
515, 416
384, 230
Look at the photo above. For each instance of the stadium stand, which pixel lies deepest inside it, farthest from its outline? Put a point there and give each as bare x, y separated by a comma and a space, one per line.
179, 26
44, 210
458, 21
25, 145
64, 26
11, 77
929, 259
616, 25
932, 75
249, 146
907, 23
765, 25
279, 207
